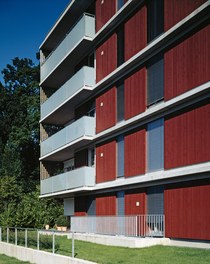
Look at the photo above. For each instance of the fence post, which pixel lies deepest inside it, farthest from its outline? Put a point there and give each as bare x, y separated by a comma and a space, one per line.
15, 236
37, 239
53, 249
7, 235
72, 244
0, 233
26, 238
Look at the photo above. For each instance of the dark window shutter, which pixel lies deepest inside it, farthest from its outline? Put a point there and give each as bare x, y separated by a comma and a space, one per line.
155, 79
120, 156
120, 203
155, 200
155, 147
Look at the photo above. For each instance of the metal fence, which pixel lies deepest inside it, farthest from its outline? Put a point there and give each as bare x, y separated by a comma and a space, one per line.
134, 226
39, 239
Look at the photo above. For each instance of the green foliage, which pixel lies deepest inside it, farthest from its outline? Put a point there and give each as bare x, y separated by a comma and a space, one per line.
19, 149
61, 221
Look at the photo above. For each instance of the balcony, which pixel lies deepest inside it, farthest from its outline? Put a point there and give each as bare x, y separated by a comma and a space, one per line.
55, 69
82, 177
59, 107
61, 145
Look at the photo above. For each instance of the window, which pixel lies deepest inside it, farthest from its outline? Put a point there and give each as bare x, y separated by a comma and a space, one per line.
120, 102
120, 156
120, 45
69, 165
155, 145
155, 79
91, 204
91, 157
155, 200
155, 206
120, 203
155, 19
120, 4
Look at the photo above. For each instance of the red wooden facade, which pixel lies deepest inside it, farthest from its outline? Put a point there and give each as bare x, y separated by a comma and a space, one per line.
135, 153
104, 11
106, 162
187, 137
135, 94
187, 65
176, 10
81, 158
106, 205
187, 213
106, 58
106, 110
135, 202
136, 33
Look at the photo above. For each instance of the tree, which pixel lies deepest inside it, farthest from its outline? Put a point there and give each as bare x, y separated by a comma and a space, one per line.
19, 149
20, 122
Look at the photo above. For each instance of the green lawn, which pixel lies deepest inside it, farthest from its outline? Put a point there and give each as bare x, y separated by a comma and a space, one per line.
114, 255
7, 260
119, 255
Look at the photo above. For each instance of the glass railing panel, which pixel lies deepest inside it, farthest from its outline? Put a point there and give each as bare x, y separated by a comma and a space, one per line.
84, 126
84, 28
84, 77
81, 177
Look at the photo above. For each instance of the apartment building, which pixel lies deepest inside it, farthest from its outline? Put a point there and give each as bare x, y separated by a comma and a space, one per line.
125, 111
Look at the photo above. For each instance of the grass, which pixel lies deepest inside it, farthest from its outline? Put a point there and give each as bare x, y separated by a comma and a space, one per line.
8, 260
118, 255
115, 255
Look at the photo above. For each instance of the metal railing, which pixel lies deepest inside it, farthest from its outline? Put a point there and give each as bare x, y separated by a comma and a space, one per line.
134, 226
39, 239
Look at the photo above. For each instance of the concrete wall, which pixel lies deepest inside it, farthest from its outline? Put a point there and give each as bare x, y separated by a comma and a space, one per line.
36, 256
121, 241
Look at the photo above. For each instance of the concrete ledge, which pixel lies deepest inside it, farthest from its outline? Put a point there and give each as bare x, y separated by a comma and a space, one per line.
36, 256
193, 244
121, 241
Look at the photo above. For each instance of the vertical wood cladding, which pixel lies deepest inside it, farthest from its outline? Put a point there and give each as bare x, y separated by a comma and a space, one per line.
136, 33
104, 11
187, 211
106, 205
135, 153
187, 137
135, 94
106, 58
187, 65
176, 10
81, 158
106, 162
106, 112
135, 202
80, 206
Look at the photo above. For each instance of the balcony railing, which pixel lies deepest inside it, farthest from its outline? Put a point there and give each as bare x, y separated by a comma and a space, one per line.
135, 226
85, 28
83, 80
82, 177
82, 129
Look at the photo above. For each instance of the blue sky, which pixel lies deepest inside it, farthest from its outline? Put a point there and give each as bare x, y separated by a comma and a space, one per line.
24, 25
